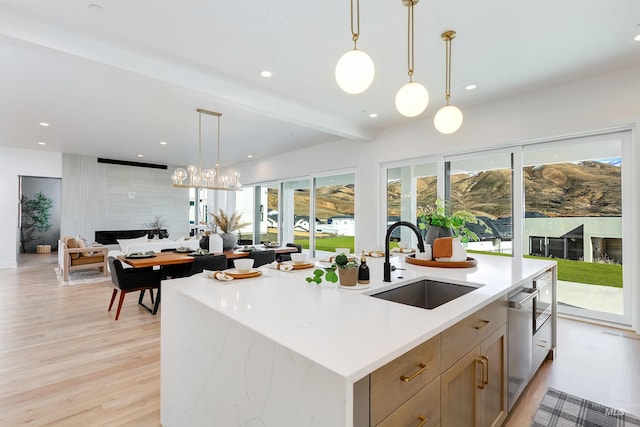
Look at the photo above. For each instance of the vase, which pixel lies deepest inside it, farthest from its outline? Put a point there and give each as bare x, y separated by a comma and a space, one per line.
204, 242
436, 231
229, 241
348, 276
215, 243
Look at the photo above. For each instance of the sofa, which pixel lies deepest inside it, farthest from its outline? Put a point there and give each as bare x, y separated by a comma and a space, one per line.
73, 255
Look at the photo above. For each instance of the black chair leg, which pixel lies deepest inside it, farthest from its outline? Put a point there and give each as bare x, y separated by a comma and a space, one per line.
157, 304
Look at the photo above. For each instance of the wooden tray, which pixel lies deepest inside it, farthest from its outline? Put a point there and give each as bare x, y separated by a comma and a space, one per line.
470, 262
237, 275
300, 266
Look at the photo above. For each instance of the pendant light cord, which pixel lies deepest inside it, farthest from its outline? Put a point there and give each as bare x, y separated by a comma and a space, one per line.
448, 77
410, 57
355, 34
218, 164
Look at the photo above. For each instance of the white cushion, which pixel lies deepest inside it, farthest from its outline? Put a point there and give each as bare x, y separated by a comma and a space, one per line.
126, 242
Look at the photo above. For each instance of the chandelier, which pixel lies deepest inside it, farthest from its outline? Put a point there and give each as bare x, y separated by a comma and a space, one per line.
211, 178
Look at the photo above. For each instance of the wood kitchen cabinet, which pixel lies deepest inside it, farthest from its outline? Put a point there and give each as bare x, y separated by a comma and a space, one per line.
407, 388
473, 390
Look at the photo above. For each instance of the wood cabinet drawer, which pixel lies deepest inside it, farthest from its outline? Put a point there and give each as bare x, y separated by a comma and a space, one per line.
399, 380
423, 408
459, 339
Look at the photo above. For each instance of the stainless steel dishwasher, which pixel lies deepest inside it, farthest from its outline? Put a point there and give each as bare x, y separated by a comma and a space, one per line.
520, 341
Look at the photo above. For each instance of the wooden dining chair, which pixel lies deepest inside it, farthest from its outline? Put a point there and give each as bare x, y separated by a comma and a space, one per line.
133, 280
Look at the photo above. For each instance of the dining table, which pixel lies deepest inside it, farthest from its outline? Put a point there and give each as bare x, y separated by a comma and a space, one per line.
173, 258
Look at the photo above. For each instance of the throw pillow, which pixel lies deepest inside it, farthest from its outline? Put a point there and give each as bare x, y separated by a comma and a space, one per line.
126, 242
81, 244
72, 244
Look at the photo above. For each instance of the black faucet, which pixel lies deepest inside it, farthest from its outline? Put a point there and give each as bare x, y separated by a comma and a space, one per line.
387, 264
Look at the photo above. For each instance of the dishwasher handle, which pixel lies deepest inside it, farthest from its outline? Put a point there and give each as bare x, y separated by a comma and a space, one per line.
521, 298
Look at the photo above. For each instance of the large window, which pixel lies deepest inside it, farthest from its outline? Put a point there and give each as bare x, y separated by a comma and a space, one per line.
481, 184
335, 212
296, 208
408, 189
574, 214
288, 213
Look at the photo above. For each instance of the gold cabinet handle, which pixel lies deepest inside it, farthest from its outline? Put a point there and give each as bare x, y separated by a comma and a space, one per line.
483, 325
485, 379
482, 362
421, 368
423, 420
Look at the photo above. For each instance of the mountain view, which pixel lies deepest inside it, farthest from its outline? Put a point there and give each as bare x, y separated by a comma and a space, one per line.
557, 190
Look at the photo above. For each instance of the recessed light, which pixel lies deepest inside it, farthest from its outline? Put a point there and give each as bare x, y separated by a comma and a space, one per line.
163, 142
373, 115
250, 156
140, 155
265, 73
42, 143
44, 124
470, 86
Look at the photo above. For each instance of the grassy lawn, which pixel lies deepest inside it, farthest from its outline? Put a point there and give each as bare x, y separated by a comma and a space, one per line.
329, 244
583, 272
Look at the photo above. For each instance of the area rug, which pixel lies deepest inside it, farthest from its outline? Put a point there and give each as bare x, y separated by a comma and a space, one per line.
564, 410
82, 278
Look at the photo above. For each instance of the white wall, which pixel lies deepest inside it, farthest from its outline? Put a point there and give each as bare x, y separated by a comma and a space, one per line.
13, 163
99, 196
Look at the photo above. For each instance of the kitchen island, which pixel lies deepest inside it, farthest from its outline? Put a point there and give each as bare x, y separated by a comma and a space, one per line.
277, 351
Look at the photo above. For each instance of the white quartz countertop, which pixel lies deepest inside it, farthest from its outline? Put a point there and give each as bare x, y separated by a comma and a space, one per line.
345, 330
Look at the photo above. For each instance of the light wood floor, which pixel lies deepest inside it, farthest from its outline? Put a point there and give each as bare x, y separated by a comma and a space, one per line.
65, 361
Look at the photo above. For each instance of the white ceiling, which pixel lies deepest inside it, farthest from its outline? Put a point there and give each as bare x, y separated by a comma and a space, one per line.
117, 82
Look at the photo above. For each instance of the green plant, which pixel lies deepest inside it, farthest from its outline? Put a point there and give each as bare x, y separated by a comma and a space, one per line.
439, 215
329, 274
27, 226
38, 212
342, 261
225, 222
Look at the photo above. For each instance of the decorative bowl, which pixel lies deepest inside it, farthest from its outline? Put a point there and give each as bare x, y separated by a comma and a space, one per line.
243, 265
298, 258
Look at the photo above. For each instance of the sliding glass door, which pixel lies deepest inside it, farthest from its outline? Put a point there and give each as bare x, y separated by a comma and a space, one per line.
574, 213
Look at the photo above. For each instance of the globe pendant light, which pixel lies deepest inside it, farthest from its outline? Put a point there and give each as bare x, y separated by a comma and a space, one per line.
449, 118
412, 98
355, 70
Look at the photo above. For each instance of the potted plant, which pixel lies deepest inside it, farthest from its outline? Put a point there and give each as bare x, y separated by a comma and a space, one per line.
439, 222
225, 224
37, 210
155, 225
347, 270
27, 226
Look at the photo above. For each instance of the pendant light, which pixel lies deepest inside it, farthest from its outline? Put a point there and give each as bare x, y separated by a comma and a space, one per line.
355, 69
412, 98
449, 118
210, 179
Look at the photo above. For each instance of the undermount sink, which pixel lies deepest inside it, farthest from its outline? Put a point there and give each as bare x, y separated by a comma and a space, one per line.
427, 294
